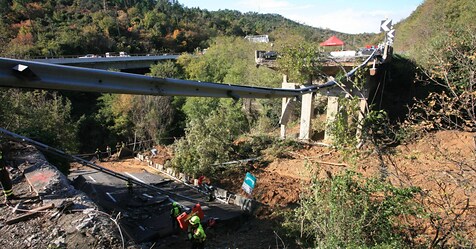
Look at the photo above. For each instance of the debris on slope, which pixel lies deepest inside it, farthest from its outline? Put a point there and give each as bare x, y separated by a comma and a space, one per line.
69, 219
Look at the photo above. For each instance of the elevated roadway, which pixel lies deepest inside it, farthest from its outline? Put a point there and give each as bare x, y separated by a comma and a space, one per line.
122, 63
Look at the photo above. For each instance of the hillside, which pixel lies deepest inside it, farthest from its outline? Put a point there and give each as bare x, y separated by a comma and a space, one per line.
421, 28
54, 27
440, 164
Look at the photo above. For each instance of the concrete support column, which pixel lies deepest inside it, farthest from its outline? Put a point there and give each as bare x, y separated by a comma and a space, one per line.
286, 109
332, 109
362, 113
307, 108
283, 125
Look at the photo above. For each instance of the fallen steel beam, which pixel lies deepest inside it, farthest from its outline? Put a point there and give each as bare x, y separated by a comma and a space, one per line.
29, 74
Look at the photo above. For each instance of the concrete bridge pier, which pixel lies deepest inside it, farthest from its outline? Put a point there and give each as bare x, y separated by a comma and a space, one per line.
287, 106
307, 113
332, 110
333, 107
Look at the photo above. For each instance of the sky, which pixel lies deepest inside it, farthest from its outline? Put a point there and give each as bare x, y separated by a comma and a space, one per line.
347, 16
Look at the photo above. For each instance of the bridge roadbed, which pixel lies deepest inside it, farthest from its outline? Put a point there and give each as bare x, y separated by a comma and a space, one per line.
145, 214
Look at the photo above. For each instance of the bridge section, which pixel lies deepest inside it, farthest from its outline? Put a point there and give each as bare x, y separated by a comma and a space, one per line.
121, 63
336, 62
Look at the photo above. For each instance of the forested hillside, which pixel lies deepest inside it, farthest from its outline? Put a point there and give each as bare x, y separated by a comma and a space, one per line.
431, 21
74, 27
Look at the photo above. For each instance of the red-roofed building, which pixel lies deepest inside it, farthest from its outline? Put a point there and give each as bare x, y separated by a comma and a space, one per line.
332, 41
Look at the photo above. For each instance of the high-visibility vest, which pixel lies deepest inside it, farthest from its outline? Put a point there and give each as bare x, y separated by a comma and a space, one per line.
199, 234
175, 212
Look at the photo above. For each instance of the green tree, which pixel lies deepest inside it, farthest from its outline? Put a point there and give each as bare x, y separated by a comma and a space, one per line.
301, 62
229, 60
39, 115
114, 110
167, 69
209, 137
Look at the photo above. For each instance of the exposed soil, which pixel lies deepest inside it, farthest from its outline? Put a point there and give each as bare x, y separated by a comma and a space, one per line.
443, 165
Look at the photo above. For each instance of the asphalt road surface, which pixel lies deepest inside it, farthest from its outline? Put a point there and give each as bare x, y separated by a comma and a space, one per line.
145, 214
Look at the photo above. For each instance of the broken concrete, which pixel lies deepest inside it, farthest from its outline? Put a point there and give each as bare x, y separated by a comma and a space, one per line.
38, 184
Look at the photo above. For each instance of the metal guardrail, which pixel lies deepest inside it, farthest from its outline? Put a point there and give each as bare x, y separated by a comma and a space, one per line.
30, 74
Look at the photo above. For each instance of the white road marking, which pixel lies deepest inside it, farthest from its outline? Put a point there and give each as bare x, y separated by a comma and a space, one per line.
142, 228
110, 196
92, 178
135, 178
148, 196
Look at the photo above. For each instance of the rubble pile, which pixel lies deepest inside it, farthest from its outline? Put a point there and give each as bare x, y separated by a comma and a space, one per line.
48, 212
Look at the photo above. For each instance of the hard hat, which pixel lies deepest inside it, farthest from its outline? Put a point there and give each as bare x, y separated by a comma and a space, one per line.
195, 220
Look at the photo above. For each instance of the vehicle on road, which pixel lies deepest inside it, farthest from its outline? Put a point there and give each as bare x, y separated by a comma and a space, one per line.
89, 56
111, 54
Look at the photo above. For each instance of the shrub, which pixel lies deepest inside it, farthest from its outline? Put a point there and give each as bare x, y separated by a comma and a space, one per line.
350, 211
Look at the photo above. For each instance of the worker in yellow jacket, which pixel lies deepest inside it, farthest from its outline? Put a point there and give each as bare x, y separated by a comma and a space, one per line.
174, 213
196, 233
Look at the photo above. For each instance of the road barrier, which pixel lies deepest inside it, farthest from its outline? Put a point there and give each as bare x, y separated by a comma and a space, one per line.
222, 195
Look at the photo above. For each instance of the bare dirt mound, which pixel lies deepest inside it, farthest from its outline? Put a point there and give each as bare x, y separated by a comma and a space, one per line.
280, 180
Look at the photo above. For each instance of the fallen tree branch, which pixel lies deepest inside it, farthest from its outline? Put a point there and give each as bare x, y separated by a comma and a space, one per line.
329, 163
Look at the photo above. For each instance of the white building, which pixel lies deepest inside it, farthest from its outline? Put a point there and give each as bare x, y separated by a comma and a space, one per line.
257, 38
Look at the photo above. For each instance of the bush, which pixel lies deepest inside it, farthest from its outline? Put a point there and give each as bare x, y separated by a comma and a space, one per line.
449, 68
350, 211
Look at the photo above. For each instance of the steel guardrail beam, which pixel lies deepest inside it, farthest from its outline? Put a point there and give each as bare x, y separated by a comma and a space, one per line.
38, 75
29, 74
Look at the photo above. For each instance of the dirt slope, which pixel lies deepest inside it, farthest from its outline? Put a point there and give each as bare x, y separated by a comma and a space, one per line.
443, 165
